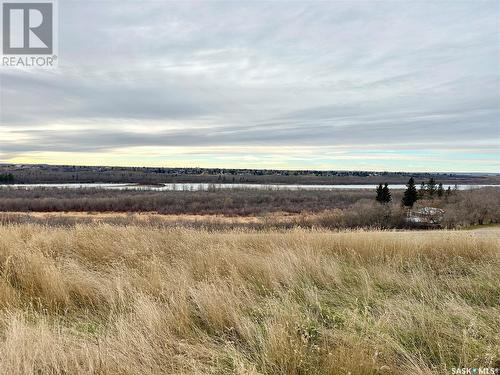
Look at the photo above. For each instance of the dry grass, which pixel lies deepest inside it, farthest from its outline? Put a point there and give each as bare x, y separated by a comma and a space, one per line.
134, 300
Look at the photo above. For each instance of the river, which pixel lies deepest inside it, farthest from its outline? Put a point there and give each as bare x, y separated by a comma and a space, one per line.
211, 186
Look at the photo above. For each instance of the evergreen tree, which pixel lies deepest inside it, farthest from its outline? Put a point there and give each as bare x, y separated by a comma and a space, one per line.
440, 190
380, 192
410, 196
6, 178
431, 187
386, 194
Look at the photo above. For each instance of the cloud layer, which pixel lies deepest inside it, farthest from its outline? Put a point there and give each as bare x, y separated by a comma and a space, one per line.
330, 85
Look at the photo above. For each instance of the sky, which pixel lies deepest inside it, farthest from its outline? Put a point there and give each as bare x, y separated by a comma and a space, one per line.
378, 85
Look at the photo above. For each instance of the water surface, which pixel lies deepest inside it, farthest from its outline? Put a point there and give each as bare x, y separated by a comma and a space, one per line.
211, 186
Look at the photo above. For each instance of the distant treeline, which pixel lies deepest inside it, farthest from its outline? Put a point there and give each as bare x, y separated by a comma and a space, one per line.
89, 174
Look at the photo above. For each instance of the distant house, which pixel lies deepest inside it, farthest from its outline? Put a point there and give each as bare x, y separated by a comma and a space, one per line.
426, 216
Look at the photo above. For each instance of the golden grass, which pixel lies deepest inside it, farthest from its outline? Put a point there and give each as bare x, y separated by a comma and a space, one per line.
134, 218
133, 300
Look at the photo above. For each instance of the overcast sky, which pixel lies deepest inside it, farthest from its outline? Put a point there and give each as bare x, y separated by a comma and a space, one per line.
399, 85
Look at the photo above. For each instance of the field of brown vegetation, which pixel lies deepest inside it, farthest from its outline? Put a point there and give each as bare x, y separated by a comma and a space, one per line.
216, 201
105, 299
240, 208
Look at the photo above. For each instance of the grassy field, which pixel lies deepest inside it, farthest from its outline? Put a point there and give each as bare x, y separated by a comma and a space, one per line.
135, 300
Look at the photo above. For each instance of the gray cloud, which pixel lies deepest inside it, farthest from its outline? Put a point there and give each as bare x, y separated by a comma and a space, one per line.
270, 74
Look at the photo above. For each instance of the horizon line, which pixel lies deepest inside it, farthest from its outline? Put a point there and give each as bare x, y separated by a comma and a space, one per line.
254, 169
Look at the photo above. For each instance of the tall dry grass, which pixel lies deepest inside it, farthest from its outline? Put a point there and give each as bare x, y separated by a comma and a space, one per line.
107, 299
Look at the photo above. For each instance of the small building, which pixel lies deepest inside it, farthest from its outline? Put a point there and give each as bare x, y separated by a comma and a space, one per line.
426, 216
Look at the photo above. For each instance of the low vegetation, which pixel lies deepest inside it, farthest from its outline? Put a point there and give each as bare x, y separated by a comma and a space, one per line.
337, 209
214, 201
132, 300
